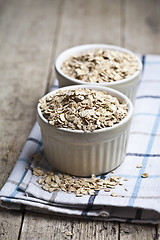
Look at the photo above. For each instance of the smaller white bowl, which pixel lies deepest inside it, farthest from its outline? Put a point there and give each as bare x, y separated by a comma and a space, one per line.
84, 153
128, 86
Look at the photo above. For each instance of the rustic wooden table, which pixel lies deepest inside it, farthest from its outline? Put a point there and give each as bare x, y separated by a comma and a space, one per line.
32, 34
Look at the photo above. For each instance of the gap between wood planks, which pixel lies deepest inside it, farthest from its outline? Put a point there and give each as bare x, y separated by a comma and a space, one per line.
54, 47
48, 80
22, 220
119, 224
122, 23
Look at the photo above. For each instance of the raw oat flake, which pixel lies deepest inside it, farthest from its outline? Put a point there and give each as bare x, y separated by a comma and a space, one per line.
50, 181
82, 109
99, 66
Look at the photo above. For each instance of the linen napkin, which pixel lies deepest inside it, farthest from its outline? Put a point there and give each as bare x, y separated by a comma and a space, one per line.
138, 199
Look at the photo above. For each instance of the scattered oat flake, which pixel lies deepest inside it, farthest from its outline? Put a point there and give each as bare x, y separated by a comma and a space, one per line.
79, 195
125, 179
107, 190
120, 184
139, 165
26, 167
40, 181
126, 189
69, 233
114, 194
144, 175
50, 181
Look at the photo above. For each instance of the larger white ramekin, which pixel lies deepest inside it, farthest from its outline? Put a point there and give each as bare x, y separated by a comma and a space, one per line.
128, 86
84, 153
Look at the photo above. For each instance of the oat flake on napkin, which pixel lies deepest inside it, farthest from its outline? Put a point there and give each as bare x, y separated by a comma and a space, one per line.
138, 198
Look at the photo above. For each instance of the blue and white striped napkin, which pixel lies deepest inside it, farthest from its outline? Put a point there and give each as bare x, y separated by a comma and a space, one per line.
138, 198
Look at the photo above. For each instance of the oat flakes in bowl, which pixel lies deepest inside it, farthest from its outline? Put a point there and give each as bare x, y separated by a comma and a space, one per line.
85, 128
99, 64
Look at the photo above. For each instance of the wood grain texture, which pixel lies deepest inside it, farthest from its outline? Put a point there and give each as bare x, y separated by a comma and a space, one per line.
142, 25
89, 22
56, 228
24, 61
136, 232
76, 26
27, 29
158, 231
10, 222
33, 33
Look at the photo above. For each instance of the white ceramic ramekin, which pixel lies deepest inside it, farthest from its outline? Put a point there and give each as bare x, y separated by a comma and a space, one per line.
128, 86
84, 153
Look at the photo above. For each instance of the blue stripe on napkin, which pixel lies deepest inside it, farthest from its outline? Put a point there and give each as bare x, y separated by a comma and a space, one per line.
144, 162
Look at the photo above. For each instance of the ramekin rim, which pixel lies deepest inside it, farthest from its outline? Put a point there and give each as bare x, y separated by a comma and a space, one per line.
94, 46
108, 129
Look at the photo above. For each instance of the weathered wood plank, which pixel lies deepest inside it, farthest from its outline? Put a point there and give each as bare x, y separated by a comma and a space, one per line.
52, 227
158, 231
142, 26
139, 36
27, 29
78, 25
10, 222
136, 232
89, 21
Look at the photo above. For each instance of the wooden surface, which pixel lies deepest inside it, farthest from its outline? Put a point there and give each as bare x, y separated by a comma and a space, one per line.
32, 34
